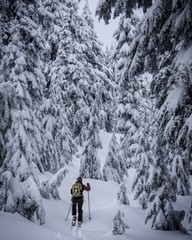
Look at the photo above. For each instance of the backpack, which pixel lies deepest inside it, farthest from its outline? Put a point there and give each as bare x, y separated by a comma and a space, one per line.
77, 190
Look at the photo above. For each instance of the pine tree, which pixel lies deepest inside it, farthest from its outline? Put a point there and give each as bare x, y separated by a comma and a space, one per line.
142, 173
97, 70
118, 224
187, 222
110, 63
128, 87
58, 147
111, 168
21, 68
90, 162
161, 192
122, 194
128, 90
122, 158
144, 144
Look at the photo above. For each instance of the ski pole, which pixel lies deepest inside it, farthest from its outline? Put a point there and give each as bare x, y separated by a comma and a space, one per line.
68, 212
89, 206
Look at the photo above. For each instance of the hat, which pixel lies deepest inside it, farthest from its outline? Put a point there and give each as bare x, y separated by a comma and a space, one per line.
79, 179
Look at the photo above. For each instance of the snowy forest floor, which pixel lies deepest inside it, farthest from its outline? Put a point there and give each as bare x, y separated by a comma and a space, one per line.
103, 206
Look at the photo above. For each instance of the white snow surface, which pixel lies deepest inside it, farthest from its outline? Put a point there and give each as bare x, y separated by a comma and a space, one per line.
103, 205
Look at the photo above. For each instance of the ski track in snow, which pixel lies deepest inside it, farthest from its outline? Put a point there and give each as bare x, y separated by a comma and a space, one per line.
77, 233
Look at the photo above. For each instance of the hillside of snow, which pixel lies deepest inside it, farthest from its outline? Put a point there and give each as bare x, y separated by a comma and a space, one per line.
103, 205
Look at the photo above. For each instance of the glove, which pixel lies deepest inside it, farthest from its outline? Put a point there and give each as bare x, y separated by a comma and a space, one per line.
88, 185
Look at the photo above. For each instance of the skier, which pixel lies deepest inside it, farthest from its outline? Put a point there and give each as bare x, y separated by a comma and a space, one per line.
77, 199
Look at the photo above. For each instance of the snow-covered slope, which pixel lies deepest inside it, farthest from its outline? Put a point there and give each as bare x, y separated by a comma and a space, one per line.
103, 205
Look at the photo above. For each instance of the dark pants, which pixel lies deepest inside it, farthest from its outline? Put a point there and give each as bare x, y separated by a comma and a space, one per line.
77, 202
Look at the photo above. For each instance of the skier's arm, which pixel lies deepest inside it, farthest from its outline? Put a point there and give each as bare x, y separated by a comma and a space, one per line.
86, 188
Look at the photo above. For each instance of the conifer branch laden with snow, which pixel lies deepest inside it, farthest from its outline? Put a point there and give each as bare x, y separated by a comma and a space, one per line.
50, 188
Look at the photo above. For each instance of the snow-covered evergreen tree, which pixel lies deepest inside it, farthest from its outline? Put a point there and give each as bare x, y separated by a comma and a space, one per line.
128, 90
21, 67
90, 162
128, 87
58, 145
161, 192
111, 110
142, 173
122, 158
99, 74
187, 221
144, 144
122, 194
118, 224
111, 168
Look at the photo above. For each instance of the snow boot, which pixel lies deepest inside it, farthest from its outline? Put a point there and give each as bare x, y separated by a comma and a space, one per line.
74, 221
79, 224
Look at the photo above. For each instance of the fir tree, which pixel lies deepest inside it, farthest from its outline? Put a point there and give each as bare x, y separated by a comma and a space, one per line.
111, 168
97, 70
144, 145
122, 159
55, 124
118, 224
142, 173
161, 193
111, 110
128, 90
187, 222
122, 194
90, 162
21, 67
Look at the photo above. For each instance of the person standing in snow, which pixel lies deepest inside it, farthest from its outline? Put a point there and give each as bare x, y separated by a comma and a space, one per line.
77, 199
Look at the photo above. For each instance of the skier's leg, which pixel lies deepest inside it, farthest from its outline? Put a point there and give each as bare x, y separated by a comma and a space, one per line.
80, 211
74, 209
